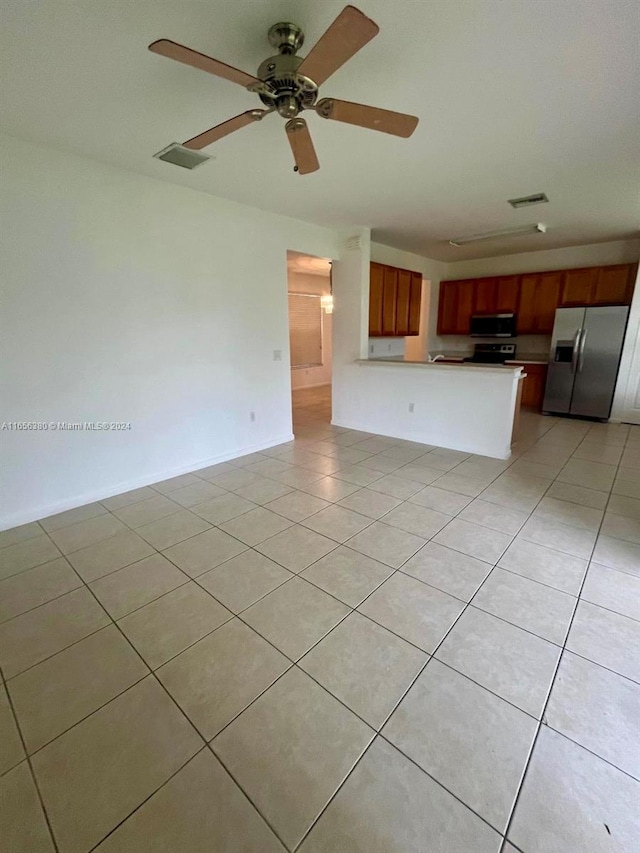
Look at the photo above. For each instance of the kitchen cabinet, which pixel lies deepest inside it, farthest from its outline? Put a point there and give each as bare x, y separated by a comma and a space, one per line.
507, 287
532, 385
539, 297
455, 307
614, 285
578, 287
389, 301
403, 300
484, 296
394, 301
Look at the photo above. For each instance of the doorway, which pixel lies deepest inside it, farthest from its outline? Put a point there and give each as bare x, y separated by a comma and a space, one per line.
310, 328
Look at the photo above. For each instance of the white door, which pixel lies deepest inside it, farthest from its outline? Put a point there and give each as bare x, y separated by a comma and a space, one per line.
626, 403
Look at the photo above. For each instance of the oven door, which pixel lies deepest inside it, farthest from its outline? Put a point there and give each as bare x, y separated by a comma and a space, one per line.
493, 326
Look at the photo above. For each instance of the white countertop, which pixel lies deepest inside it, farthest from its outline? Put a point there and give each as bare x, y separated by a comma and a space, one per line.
438, 365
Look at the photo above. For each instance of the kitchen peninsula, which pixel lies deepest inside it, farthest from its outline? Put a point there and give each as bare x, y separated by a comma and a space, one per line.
460, 406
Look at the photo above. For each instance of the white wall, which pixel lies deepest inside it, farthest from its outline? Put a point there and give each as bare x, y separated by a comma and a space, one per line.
128, 299
350, 320
310, 377
592, 255
626, 401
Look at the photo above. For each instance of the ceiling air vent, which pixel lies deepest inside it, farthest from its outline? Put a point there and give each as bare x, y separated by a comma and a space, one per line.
181, 156
528, 200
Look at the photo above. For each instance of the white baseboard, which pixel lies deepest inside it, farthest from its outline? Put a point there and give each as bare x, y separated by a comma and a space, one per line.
35, 514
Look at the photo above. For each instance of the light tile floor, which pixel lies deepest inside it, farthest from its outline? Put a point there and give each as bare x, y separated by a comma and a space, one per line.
345, 643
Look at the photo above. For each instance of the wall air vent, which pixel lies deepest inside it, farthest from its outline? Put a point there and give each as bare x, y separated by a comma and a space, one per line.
181, 156
528, 200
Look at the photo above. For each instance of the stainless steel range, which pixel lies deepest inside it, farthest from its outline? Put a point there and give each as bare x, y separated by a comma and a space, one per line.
492, 353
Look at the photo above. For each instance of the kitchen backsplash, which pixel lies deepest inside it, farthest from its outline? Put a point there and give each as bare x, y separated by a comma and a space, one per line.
530, 344
381, 347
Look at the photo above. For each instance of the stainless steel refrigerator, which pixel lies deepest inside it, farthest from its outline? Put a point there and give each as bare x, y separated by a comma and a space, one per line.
584, 360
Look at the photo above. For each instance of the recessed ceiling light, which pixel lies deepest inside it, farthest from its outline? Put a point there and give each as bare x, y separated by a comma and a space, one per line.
181, 156
539, 227
528, 200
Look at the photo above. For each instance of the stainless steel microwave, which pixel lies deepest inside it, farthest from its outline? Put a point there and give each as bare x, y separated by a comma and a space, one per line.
493, 326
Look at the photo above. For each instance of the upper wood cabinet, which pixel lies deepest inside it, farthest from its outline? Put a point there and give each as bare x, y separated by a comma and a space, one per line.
578, 287
394, 301
534, 297
484, 296
507, 292
614, 285
539, 296
389, 301
455, 307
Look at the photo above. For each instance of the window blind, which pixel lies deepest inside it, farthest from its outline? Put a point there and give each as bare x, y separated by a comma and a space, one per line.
305, 330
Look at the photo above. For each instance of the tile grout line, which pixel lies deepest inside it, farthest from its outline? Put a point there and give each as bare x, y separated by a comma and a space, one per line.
27, 758
554, 677
344, 544
152, 674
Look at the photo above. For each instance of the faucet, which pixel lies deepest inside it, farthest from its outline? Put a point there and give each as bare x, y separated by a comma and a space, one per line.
431, 359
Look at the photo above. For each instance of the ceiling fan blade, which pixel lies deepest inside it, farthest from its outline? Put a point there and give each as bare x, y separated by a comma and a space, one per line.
224, 129
302, 146
350, 31
173, 50
374, 118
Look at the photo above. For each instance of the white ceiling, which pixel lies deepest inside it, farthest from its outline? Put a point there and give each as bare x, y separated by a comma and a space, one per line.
308, 264
514, 97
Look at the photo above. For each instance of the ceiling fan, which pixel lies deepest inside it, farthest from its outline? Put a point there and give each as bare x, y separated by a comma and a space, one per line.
288, 84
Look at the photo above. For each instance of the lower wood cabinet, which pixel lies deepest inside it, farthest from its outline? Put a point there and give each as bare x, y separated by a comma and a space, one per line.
533, 384
395, 297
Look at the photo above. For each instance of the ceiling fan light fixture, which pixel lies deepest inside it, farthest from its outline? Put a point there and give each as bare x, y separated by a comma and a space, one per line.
178, 155
538, 227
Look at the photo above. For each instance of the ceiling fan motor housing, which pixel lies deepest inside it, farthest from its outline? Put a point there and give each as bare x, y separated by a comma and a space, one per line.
287, 91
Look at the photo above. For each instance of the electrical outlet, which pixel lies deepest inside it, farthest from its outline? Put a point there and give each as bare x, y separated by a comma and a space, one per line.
277, 355
252, 417
411, 407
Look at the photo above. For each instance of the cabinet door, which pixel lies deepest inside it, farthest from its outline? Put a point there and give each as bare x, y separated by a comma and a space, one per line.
547, 300
415, 302
533, 385
464, 307
484, 297
579, 287
507, 294
614, 285
389, 300
375, 300
402, 303
526, 309
448, 307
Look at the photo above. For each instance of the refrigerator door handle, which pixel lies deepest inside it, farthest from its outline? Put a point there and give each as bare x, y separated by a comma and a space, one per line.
583, 339
576, 351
